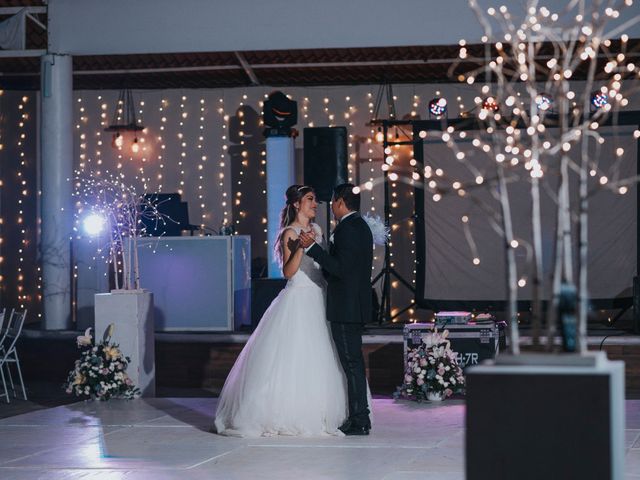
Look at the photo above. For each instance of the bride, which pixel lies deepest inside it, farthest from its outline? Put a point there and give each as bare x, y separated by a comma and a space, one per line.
288, 379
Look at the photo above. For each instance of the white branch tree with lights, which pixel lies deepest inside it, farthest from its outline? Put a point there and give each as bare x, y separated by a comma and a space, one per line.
527, 71
107, 203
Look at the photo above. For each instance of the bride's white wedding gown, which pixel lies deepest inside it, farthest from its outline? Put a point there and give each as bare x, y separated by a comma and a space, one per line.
288, 379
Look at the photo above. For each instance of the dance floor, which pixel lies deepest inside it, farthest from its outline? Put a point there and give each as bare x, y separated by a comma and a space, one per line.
170, 438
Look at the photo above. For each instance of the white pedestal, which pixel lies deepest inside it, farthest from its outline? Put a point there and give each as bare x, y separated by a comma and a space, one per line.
131, 311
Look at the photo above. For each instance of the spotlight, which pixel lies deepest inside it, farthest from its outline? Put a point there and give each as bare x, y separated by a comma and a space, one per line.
135, 146
94, 224
379, 135
490, 104
438, 107
599, 99
544, 102
117, 140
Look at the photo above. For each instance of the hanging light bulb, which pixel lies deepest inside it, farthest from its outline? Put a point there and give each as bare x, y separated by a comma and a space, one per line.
135, 146
379, 135
117, 140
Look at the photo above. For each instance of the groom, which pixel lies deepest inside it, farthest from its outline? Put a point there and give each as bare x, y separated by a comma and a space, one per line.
347, 266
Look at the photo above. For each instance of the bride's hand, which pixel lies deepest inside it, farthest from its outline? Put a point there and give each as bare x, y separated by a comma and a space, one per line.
306, 239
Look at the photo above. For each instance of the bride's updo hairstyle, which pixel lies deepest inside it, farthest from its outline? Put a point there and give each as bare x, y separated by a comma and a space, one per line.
294, 194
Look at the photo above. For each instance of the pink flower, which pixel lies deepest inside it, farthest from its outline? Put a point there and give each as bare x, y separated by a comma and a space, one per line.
448, 392
420, 381
441, 370
408, 378
423, 362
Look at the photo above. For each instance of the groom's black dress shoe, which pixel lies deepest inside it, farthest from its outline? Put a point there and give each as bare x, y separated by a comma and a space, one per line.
356, 430
345, 426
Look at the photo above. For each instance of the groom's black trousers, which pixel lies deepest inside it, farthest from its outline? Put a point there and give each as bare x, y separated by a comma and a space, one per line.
348, 340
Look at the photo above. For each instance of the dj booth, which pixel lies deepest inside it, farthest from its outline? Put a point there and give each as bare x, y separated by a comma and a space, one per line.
198, 283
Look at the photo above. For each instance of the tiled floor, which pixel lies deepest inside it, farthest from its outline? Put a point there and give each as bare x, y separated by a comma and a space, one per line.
169, 438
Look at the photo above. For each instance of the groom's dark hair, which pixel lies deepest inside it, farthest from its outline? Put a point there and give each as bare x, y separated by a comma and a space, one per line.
345, 192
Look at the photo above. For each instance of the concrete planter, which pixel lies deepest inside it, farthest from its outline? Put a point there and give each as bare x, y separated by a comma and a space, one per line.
546, 416
131, 311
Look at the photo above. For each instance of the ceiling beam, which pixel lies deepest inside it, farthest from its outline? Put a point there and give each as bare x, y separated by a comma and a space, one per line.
247, 68
14, 10
22, 53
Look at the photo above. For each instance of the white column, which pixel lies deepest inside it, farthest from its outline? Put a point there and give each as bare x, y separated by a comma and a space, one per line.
56, 135
280, 176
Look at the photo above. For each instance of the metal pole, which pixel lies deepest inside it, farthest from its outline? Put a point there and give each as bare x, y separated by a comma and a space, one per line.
387, 250
636, 279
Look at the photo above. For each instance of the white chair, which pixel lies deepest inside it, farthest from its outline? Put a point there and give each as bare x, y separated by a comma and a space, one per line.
9, 354
4, 323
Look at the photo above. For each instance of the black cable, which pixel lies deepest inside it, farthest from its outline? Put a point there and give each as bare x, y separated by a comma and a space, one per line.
610, 335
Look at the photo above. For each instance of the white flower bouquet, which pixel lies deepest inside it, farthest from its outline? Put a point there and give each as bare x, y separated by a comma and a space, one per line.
432, 368
100, 372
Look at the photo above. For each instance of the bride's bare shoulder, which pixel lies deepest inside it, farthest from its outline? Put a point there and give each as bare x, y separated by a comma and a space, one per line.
289, 232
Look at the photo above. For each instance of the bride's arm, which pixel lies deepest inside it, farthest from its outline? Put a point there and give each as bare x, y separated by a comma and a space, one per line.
291, 254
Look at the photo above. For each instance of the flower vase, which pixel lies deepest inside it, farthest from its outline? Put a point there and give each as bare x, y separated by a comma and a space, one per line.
435, 396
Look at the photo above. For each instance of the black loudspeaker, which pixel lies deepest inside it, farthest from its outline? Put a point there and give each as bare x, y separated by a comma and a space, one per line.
325, 159
263, 291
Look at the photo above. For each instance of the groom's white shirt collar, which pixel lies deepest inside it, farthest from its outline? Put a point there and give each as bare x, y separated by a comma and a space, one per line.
347, 215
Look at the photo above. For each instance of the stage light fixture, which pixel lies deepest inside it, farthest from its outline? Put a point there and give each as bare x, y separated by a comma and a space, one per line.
544, 102
280, 114
599, 99
94, 223
438, 107
490, 104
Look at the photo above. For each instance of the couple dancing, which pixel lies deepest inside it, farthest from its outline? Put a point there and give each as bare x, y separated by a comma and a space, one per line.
291, 377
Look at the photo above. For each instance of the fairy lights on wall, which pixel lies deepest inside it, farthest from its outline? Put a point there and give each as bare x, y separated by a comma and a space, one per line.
222, 164
177, 155
183, 144
202, 160
23, 187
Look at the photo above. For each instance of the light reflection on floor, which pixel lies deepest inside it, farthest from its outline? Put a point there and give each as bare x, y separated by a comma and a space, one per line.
171, 439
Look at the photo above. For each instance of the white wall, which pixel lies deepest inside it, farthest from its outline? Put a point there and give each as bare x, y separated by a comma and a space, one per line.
84, 27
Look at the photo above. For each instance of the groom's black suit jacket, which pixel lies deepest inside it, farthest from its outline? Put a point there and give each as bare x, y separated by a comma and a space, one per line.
347, 267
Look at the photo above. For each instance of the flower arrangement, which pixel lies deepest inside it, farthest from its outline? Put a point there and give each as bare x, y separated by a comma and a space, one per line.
100, 372
432, 370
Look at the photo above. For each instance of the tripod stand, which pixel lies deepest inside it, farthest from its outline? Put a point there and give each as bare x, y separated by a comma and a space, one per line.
387, 269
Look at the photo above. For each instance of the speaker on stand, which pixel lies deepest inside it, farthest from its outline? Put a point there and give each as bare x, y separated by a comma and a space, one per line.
325, 162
